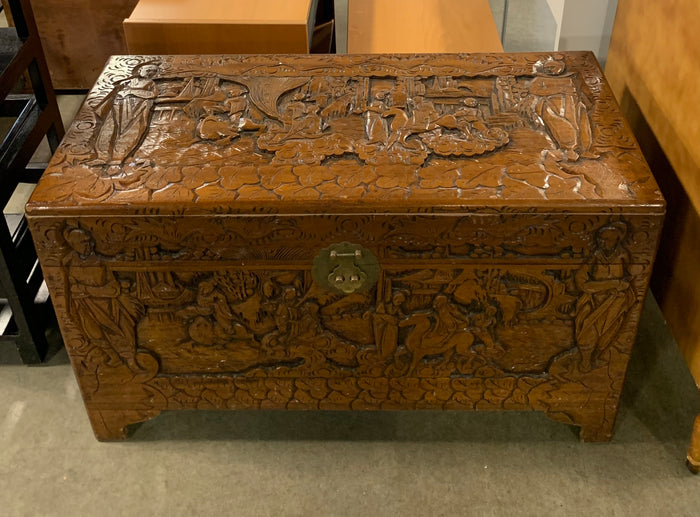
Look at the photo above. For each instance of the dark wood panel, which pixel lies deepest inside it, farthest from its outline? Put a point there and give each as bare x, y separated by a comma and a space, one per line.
79, 35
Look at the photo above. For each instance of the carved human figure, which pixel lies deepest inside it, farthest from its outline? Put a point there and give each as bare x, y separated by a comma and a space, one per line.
222, 116
375, 125
385, 324
100, 304
424, 113
554, 101
216, 128
607, 295
483, 325
201, 106
211, 303
295, 110
209, 296
301, 121
471, 117
449, 317
125, 115
443, 330
287, 314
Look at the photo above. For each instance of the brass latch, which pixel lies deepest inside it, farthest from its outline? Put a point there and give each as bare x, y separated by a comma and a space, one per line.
345, 268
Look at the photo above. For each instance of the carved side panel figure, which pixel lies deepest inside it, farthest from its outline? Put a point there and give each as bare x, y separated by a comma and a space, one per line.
607, 294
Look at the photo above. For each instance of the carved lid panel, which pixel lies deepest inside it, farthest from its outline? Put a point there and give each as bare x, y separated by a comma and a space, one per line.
348, 134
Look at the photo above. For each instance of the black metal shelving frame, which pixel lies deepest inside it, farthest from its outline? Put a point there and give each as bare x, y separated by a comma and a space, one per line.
25, 310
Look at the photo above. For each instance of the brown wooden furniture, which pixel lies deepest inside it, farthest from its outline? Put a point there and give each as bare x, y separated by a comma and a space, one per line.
78, 37
349, 232
388, 26
220, 26
655, 85
24, 316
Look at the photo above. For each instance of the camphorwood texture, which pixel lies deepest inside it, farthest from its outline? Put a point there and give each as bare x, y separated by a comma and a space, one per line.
512, 216
654, 85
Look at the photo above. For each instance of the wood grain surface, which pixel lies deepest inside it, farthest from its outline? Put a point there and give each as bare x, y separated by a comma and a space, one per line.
655, 85
78, 36
220, 27
512, 218
387, 26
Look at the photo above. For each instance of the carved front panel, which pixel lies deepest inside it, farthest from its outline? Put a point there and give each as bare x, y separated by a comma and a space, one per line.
418, 322
554, 321
150, 336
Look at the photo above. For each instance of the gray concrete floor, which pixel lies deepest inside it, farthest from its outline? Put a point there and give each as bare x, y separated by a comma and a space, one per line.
350, 463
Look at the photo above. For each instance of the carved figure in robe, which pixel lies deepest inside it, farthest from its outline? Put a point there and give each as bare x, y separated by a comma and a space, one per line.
216, 128
224, 122
301, 121
204, 106
288, 319
385, 323
212, 302
441, 331
125, 115
422, 119
607, 295
554, 102
100, 304
287, 315
375, 125
467, 119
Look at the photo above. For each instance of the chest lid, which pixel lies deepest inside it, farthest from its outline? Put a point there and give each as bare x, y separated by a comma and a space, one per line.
348, 134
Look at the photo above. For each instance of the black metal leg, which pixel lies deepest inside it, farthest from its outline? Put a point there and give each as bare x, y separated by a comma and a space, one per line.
37, 116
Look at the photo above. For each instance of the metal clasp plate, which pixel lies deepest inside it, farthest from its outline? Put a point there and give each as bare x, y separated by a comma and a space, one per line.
345, 268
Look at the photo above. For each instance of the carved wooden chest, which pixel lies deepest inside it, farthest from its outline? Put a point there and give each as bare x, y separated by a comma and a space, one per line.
349, 232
